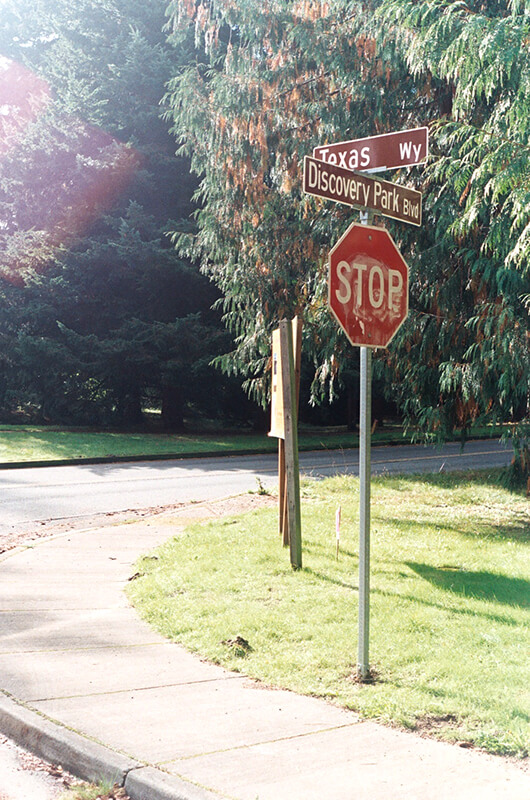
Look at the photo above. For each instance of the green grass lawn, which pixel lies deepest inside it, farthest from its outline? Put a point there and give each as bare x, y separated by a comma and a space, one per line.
450, 603
46, 444
28, 443
90, 791
40, 443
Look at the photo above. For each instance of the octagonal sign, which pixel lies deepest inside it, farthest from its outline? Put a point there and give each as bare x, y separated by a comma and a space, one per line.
368, 286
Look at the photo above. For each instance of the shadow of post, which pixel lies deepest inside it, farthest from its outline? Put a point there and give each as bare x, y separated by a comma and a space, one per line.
487, 586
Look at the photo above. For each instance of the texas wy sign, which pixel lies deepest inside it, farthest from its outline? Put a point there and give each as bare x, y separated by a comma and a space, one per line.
386, 151
368, 285
360, 191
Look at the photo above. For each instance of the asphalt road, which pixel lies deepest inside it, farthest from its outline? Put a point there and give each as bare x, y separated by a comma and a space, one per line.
53, 493
24, 776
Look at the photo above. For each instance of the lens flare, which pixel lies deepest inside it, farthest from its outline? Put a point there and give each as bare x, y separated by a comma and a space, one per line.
58, 174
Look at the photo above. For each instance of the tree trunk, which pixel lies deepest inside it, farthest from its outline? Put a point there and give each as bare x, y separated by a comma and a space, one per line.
352, 407
172, 409
129, 410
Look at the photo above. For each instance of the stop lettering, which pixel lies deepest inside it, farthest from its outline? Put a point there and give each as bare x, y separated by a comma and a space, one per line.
368, 285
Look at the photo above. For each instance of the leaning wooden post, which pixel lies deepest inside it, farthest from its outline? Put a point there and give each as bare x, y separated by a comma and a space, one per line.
291, 443
282, 522
297, 351
277, 416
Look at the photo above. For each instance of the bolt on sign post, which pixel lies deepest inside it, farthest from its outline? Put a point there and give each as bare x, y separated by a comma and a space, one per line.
286, 357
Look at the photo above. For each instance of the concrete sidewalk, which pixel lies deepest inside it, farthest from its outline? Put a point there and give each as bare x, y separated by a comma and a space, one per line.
87, 684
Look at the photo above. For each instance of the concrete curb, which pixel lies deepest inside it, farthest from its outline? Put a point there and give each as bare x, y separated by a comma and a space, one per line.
95, 460
151, 784
79, 462
82, 757
89, 760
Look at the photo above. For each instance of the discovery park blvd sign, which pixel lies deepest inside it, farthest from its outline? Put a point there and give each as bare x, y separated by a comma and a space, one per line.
358, 190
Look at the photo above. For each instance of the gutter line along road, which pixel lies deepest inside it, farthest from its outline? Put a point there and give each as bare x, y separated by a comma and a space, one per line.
33, 495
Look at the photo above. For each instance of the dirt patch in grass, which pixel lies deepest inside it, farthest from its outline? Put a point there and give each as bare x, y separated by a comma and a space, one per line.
442, 726
430, 723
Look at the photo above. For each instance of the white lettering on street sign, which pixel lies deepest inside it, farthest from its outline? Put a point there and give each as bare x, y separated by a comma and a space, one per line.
384, 151
356, 189
368, 285
380, 286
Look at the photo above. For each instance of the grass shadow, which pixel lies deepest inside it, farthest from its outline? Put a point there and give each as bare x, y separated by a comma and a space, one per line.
464, 612
329, 579
480, 477
487, 586
516, 532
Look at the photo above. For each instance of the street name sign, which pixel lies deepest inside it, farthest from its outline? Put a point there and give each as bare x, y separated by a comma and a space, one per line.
358, 190
368, 285
385, 151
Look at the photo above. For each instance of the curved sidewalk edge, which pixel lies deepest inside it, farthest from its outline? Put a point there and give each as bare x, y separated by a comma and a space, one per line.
89, 760
87, 684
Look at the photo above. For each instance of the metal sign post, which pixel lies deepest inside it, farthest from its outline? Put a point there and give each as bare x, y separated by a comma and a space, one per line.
365, 469
365, 463
367, 285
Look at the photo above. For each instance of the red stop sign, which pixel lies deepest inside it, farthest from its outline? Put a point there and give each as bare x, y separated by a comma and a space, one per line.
368, 285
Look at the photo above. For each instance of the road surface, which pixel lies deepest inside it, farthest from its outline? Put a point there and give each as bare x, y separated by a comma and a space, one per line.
54, 493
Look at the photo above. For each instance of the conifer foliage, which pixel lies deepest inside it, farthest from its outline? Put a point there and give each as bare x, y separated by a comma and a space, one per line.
272, 79
96, 302
467, 353
98, 314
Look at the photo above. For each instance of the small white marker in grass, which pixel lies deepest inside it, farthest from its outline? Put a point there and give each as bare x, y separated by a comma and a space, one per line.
337, 529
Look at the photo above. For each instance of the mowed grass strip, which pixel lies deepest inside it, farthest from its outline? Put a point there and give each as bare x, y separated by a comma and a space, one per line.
40, 444
450, 592
20, 444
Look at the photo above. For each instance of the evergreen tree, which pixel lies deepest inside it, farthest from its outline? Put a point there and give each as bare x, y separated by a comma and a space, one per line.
90, 186
271, 81
466, 349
